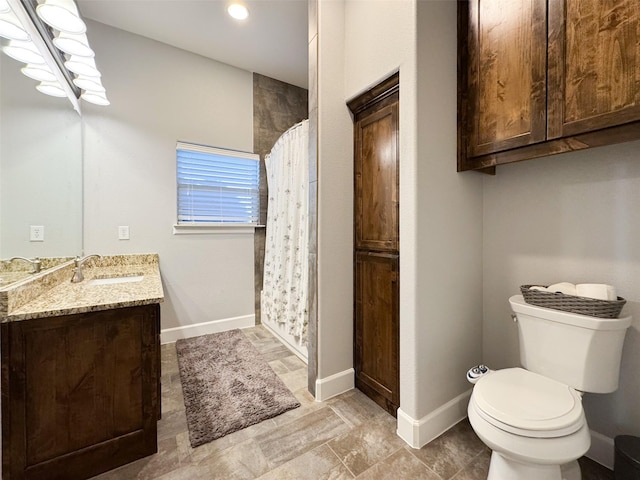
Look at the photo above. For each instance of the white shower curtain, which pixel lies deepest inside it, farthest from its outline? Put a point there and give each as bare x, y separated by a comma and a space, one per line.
285, 286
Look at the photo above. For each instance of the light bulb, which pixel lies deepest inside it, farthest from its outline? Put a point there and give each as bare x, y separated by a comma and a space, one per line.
238, 11
25, 52
51, 88
41, 73
96, 98
73, 44
89, 83
62, 15
82, 66
10, 27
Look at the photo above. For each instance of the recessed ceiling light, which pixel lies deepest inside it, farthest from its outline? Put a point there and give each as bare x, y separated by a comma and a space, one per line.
238, 11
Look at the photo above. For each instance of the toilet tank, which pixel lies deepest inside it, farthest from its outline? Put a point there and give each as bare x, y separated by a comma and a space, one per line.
580, 351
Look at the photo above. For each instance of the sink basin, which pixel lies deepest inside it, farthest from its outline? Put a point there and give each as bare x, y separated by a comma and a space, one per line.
114, 280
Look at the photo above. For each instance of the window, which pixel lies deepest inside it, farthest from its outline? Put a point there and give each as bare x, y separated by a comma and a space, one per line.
217, 186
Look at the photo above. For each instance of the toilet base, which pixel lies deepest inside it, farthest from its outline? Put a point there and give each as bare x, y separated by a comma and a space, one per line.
504, 468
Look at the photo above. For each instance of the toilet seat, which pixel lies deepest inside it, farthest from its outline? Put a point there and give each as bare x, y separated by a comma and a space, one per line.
528, 404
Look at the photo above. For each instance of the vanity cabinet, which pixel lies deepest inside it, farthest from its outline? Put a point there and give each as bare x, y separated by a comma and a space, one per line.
79, 392
540, 77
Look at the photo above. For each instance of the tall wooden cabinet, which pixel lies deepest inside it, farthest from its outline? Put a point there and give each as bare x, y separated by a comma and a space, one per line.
376, 244
539, 77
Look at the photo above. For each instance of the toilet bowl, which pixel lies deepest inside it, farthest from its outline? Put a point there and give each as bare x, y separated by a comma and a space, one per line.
532, 417
533, 424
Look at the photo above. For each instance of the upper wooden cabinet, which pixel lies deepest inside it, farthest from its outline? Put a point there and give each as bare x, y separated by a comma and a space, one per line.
507, 69
541, 77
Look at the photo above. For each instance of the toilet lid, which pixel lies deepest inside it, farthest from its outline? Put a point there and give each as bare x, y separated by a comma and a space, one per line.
528, 404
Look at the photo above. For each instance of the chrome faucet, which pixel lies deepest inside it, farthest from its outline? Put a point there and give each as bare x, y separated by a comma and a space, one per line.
35, 263
77, 271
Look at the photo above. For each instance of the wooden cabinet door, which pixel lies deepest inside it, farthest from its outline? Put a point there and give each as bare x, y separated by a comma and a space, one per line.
507, 54
376, 177
594, 65
377, 337
79, 393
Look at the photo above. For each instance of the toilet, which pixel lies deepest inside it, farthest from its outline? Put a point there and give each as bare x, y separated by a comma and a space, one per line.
532, 417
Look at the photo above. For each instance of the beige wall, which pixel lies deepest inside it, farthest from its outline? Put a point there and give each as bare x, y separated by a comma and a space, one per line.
335, 198
160, 94
448, 213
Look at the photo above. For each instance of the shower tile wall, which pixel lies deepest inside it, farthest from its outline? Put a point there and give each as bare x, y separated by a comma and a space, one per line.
276, 107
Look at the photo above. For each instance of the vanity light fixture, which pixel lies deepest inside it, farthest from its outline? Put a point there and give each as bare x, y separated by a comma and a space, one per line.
238, 11
59, 57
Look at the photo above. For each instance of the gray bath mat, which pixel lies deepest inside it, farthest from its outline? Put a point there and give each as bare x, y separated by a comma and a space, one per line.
227, 386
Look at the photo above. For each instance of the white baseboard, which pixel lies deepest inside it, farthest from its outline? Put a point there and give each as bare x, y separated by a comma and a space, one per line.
602, 449
170, 335
417, 433
334, 385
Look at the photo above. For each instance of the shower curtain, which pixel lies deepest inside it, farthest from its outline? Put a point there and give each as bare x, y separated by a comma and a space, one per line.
285, 285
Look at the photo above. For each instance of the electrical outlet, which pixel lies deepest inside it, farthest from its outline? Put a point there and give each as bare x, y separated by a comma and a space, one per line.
36, 233
123, 232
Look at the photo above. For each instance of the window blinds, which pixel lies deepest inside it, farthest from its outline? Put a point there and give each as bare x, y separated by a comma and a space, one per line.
217, 185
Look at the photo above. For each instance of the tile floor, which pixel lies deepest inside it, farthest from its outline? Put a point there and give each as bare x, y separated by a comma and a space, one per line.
346, 437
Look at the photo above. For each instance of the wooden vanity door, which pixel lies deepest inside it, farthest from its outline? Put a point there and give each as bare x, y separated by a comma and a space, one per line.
79, 393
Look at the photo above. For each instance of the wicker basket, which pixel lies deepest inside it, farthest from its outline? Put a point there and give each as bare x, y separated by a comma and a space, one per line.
570, 303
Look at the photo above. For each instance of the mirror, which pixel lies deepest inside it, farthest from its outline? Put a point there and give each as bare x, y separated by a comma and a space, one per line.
40, 171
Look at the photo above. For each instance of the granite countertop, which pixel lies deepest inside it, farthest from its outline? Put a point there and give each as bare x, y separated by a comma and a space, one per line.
7, 278
16, 271
62, 297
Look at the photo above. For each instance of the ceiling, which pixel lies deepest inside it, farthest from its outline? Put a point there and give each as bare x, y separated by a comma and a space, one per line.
272, 41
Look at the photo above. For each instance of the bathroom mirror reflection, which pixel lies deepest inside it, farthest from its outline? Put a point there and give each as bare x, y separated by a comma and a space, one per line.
40, 173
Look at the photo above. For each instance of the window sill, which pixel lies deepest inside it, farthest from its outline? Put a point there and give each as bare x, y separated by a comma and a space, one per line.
218, 229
